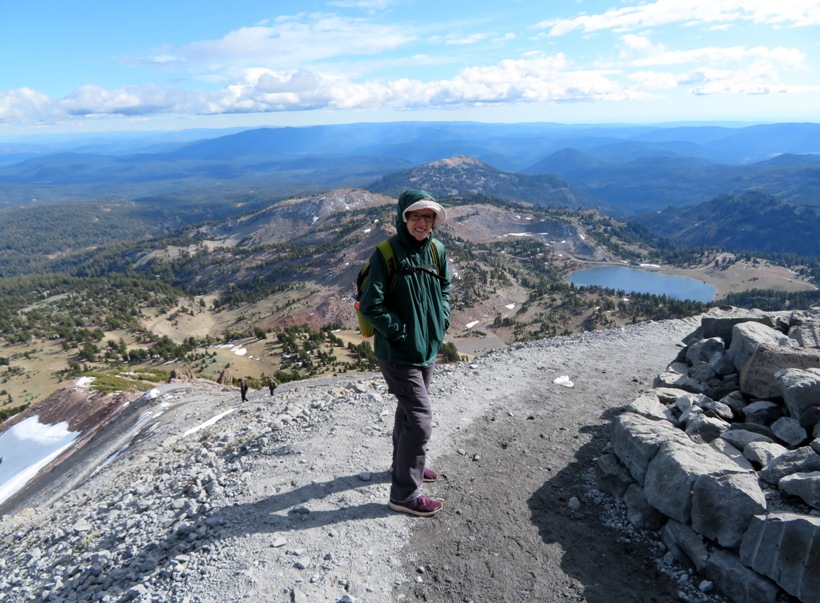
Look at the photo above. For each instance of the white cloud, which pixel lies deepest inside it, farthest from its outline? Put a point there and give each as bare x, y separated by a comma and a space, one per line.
467, 40
22, 103
287, 43
258, 90
792, 13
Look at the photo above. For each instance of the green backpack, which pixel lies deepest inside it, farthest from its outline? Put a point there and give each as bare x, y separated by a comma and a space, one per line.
386, 250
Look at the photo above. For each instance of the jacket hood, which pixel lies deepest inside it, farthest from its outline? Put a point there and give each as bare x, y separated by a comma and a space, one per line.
408, 198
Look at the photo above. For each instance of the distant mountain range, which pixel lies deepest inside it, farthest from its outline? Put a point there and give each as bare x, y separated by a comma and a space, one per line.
750, 222
625, 169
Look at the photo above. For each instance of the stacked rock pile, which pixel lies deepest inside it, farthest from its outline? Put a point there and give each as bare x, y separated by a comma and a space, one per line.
722, 456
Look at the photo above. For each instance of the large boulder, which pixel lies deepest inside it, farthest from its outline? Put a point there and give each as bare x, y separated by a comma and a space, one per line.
804, 485
757, 379
784, 547
636, 440
672, 472
747, 337
719, 322
730, 576
805, 330
723, 506
802, 460
801, 394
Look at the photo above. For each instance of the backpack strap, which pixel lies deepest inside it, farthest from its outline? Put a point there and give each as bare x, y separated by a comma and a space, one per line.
386, 249
435, 251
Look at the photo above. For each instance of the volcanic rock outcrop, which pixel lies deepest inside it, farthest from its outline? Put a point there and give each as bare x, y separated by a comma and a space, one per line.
722, 456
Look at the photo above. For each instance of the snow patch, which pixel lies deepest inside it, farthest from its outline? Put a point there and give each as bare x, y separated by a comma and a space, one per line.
208, 423
84, 382
26, 448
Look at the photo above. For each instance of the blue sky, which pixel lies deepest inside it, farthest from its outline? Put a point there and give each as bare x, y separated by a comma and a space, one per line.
95, 65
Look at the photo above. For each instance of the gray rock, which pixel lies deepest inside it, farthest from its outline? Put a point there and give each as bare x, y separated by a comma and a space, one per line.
720, 409
636, 440
723, 506
639, 512
670, 379
763, 453
782, 546
673, 470
730, 576
648, 405
794, 461
801, 394
702, 372
685, 544
612, 477
680, 368
739, 438
804, 485
807, 334
733, 453
757, 379
668, 395
704, 349
748, 337
736, 401
789, 431
703, 429
719, 322
762, 412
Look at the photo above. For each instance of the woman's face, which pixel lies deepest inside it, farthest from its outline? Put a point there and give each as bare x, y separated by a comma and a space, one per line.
420, 223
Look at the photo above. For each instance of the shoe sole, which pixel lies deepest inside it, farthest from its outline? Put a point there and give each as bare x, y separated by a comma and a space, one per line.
429, 481
402, 509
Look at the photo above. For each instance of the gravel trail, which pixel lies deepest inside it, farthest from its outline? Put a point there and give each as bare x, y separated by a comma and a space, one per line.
283, 498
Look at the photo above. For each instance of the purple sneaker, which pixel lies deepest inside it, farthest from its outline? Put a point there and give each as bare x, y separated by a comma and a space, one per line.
430, 475
420, 506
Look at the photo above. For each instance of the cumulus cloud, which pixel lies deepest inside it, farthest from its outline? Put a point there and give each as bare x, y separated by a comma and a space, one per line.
541, 79
22, 103
794, 13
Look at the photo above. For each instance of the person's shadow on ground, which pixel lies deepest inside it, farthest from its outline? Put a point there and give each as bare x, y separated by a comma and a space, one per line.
265, 515
260, 516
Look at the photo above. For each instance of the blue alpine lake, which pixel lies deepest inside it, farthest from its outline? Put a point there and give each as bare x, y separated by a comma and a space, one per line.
633, 280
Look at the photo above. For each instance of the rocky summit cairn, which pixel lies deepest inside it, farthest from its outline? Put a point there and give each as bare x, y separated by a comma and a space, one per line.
722, 456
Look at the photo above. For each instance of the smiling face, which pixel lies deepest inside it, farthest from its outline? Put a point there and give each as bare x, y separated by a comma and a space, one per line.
420, 223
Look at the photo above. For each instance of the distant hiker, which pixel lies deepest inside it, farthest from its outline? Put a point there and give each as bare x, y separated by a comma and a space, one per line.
410, 310
272, 386
243, 389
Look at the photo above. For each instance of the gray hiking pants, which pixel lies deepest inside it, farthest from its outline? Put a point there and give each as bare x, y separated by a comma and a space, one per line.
412, 427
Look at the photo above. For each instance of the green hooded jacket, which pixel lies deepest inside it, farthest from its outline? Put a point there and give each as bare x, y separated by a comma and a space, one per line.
409, 322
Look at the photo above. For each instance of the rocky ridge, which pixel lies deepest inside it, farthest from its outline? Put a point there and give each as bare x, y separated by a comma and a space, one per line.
723, 455
283, 498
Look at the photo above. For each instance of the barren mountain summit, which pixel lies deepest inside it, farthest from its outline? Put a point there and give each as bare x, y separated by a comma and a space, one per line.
283, 498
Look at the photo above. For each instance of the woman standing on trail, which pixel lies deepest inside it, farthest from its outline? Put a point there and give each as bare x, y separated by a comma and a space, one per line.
410, 310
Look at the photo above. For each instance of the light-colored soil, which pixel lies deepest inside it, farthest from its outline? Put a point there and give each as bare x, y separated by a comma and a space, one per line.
743, 276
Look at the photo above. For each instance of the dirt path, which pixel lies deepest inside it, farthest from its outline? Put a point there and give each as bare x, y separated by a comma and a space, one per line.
520, 524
